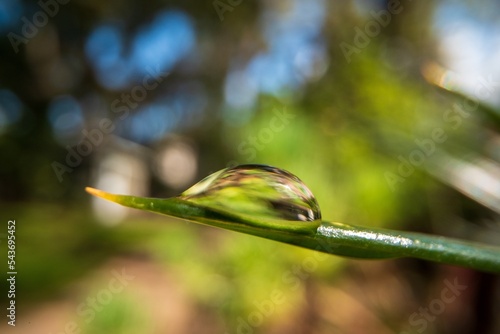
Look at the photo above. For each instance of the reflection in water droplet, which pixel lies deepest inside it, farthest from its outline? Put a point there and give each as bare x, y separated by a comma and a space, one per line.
257, 190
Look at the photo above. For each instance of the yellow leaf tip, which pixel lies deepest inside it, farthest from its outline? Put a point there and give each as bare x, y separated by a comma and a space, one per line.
99, 193
93, 191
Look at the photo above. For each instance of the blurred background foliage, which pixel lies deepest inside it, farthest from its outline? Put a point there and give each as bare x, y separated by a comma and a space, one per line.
146, 98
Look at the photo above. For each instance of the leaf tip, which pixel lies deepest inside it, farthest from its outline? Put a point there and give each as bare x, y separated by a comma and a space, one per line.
100, 193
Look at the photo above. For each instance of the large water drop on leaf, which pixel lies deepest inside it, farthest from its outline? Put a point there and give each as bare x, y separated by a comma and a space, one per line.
257, 190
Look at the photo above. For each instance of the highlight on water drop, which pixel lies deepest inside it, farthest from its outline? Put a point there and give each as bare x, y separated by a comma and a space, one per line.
257, 190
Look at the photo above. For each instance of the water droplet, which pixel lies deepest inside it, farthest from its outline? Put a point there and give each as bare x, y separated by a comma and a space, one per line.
257, 190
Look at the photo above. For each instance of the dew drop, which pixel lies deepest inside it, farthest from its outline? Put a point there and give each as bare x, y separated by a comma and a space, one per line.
257, 190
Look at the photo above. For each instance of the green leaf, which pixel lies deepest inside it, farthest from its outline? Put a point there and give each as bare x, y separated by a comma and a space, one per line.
324, 236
